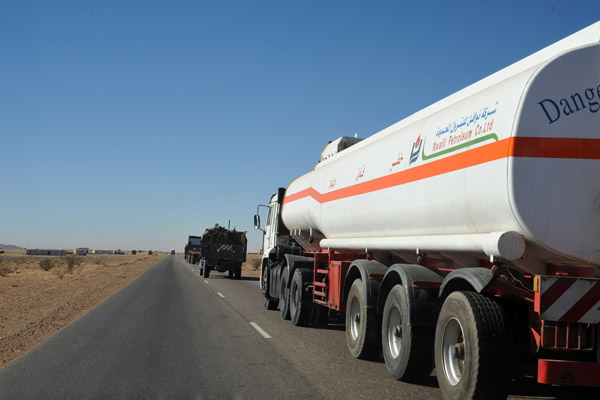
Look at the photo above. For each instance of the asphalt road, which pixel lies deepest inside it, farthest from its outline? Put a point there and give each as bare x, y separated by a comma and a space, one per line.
171, 334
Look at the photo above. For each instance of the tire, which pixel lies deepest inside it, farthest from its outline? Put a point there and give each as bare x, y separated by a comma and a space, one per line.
284, 296
268, 302
473, 348
206, 271
362, 330
407, 350
320, 317
299, 309
237, 272
231, 274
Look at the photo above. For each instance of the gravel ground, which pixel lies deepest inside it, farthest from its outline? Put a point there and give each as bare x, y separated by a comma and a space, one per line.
35, 303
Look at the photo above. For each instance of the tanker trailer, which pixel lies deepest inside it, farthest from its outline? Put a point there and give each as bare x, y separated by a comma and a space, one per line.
465, 237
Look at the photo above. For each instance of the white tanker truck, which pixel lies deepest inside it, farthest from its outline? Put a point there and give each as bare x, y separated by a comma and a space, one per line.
465, 237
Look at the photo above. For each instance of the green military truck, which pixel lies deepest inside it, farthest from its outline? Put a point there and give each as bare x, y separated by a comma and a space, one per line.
221, 250
193, 249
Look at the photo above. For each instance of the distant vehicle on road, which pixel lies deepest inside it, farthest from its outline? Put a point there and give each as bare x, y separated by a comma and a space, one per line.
220, 249
172, 252
193, 249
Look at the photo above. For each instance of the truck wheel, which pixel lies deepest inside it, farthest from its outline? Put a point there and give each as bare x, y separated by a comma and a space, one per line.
206, 271
231, 274
473, 348
237, 273
284, 297
362, 331
407, 350
320, 317
269, 303
299, 311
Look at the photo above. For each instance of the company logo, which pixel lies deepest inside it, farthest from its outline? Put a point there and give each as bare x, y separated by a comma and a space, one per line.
416, 149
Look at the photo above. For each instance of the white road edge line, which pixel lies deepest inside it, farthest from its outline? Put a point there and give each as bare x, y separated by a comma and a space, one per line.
260, 330
221, 295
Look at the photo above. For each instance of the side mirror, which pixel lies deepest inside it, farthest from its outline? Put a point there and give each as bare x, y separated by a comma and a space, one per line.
257, 221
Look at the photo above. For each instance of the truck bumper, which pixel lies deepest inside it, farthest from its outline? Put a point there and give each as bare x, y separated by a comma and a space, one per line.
571, 373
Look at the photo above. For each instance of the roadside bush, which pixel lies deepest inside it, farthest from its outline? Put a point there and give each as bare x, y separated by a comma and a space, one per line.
59, 272
3, 268
46, 264
254, 262
71, 260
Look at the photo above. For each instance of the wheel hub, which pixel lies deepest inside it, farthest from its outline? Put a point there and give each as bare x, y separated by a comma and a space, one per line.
354, 319
394, 332
453, 351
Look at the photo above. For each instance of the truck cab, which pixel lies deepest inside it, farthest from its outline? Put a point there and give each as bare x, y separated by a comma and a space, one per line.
277, 244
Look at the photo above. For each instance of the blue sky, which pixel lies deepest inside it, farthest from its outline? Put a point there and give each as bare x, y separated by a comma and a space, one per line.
133, 124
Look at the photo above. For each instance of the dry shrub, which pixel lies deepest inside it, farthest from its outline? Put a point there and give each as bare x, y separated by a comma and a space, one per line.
3, 268
71, 260
60, 273
254, 262
46, 264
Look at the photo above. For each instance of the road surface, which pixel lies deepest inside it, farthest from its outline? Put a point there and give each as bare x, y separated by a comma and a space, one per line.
172, 334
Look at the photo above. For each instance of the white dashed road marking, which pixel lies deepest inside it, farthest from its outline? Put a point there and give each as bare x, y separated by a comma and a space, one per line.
221, 295
260, 330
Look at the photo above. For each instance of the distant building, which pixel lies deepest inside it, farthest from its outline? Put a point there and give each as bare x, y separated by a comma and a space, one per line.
45, 252
81, 251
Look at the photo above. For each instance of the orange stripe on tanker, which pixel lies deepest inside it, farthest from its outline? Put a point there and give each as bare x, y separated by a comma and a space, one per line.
511, 147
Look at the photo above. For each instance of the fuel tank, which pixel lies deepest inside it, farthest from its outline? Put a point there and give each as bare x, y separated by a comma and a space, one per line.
508, 167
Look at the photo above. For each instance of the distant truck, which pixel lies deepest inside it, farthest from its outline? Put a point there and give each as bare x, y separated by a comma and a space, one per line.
193, 249
221, 250
172, 252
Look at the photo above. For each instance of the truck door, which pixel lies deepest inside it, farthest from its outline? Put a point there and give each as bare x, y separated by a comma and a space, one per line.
271, 227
